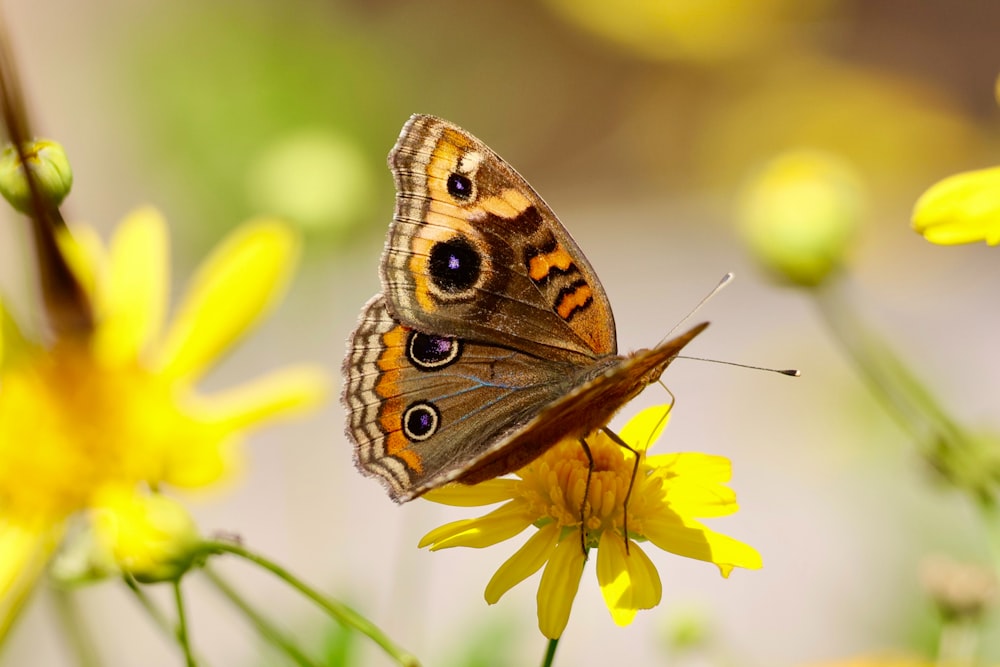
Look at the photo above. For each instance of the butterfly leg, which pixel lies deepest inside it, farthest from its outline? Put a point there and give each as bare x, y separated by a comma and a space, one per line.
635, 471
586, 493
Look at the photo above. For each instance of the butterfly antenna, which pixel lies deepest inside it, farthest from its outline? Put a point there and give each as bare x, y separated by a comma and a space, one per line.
791, 372
726, 279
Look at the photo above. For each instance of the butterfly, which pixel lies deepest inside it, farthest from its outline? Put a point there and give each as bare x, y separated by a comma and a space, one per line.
492, 338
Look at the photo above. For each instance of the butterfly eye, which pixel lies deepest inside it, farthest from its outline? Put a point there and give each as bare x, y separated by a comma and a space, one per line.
459, 186
455, 265
428, 352
420, 421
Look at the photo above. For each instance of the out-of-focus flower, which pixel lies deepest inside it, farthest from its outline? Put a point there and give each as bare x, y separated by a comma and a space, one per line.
49, 166
799, 214
671, 491
701, 30
961, 591
964, 208
90, 423
292, 178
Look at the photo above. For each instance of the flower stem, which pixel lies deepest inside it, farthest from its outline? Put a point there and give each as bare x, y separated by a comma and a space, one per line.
267, 629
182, 632
550, 652
957, 645
72, 622
154, 612
337, 610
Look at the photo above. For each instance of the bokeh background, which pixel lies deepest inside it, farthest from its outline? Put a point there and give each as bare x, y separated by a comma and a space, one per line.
639, 122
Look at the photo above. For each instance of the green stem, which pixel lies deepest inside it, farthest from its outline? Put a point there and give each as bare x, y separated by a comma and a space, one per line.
182, 629
267, 629
550, 652
159, 618
337, 610
957, 645
72, 622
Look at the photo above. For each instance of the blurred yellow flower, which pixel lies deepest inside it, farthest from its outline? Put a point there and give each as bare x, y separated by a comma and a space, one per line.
96, 421
670, 491
700, 30
799, 214
964, 208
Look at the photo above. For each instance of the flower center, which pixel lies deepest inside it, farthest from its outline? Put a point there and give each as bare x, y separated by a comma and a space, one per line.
69, 427
555, 484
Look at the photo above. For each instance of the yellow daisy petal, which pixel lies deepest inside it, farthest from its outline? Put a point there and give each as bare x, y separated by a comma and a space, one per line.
135, 299
692, 466
697, 499
230, 292
24, 551
525, 562
629, 581
501, 524
645, 428
489, 492
963, 208
692, 540
560, 581
289, 391
84, 254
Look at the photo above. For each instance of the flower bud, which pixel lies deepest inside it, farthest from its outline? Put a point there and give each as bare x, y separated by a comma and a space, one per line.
150, 537
48, 164
799, 214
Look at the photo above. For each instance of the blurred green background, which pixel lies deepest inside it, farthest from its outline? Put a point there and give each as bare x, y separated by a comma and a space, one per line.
639, 122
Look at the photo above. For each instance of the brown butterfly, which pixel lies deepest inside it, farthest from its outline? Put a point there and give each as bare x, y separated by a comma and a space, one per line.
492, 339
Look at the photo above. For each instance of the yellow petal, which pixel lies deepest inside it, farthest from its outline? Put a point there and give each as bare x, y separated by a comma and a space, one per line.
501, 524
202, 461
285, 392
629, 581
234, 287
24, 552
475, 495
13, 345
525, 562
697, 499
692, 540
692, 466
645, 428
135, 298
560, 581
963, 208
84, 254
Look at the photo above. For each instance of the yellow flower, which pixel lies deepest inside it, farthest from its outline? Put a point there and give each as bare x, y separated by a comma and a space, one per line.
964, 208
113, 412
670, 492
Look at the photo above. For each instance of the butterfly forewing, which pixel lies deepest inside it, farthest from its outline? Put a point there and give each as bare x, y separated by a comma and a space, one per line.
474, 250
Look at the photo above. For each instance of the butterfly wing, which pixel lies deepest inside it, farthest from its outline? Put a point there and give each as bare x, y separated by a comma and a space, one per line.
422, 407
473, 250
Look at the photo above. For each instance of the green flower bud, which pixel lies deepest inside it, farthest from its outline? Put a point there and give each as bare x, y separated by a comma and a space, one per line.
799, 214
49, 166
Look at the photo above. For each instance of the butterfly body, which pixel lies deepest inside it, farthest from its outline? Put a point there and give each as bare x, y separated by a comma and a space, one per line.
492, 339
